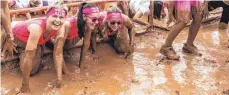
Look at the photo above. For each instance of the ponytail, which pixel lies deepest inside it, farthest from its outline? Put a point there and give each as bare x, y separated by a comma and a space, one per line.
80, 21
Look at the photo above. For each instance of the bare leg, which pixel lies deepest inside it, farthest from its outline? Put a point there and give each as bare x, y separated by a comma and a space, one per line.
173, 33
137, 18
167, 49
194, 28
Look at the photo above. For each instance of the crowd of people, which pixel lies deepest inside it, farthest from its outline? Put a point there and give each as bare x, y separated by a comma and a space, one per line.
114, 25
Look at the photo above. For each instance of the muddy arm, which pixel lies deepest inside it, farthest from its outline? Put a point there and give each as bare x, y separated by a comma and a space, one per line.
93, 41
6, 23
58, 52
5, 17
129, 25
84, 48
58, 59
30, 51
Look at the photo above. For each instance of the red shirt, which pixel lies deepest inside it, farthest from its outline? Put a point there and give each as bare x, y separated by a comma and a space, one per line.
21, 32
74, 31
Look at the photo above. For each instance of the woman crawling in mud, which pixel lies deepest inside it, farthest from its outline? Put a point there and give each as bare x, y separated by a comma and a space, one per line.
117, 27
81, 26
183, 17
32, 34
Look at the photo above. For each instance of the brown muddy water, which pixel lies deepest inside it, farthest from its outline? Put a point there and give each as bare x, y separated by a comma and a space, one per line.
145, 72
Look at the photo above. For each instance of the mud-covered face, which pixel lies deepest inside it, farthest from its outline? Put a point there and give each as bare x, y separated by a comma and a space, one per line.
114, 24
55, 20
92, 20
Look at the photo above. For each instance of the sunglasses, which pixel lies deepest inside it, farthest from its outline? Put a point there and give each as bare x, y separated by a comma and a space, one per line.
113, 23
93, 19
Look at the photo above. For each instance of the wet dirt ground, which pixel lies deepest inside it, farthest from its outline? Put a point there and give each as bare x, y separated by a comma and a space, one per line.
145, 72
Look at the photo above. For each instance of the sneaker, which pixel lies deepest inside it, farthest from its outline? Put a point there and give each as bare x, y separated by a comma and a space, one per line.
169, 52
191, 49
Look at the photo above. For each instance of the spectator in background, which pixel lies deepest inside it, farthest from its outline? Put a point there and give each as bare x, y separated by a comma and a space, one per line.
19, 4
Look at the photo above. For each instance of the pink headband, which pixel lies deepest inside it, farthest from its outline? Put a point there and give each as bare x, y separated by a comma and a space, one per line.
114, 15
56, 11
90, 10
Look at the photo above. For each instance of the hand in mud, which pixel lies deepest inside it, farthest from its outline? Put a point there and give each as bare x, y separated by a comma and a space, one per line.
131, 51
170, 20
9, 48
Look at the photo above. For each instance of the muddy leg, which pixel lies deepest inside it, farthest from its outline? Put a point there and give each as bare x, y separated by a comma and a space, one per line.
195, 26
167, 49
189, 46
178, 27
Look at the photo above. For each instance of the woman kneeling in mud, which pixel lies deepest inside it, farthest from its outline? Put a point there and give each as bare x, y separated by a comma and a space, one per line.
32, 34
82, 26
118, 28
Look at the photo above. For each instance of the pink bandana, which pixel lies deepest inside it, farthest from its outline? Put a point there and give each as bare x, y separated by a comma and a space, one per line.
114, 15
56, 11
90, 10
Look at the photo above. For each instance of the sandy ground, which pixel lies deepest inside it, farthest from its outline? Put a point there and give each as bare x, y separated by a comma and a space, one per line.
145, 72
